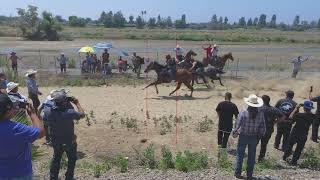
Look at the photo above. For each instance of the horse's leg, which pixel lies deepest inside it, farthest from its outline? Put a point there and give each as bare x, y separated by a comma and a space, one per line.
156, 88
204, 80
138, 70
151, 84
178, 87
189, 86
220, 81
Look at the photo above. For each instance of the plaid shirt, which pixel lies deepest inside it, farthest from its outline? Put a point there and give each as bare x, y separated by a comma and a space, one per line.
247, 126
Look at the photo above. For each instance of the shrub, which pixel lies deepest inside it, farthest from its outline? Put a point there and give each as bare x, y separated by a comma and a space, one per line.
311, 160
95, 168
223, 161
188, 161
167, 159
122, 162
148, 158
72, 63
205, 125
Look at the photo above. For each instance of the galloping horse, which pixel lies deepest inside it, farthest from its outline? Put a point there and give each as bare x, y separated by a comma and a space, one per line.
186, 62
182, 76
137, 63
219, 63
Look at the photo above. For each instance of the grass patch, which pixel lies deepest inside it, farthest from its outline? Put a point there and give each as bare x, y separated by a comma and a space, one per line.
72, 63
189, 161
131, 123
311, 159
96, 169
147, 158
122, 162
223, 160
166, 161
205, 125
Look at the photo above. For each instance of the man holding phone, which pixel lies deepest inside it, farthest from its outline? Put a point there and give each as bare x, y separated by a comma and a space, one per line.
316, 122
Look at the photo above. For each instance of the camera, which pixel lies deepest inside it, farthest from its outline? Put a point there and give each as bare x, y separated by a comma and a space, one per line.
22, 105
71, 98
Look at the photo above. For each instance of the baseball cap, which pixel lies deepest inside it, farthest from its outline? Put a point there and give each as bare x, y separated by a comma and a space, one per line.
5, 103
59, 96
308, 105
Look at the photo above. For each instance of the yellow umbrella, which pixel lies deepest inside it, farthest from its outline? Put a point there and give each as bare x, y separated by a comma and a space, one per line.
87, 49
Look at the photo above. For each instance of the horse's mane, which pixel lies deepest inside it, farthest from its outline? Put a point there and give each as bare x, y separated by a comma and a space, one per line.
158, 64
226, 55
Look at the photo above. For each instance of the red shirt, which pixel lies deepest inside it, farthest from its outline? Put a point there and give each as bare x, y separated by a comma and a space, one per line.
208, 50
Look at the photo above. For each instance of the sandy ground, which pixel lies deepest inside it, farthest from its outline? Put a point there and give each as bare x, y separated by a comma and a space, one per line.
108, 137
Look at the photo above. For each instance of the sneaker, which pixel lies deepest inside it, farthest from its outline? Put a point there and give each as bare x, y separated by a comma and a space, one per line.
239, 176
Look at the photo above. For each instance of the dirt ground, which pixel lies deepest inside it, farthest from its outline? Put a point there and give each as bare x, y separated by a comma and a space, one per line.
108, 137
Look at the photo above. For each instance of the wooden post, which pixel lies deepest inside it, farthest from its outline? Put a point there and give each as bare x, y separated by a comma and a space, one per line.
40, 58
237, 68
266, 65
55, 64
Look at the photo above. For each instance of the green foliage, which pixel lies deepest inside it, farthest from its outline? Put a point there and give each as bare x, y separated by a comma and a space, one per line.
205, 125
311, 159
166, 158
148, 158
72, 63
95, 168
140, 22
77, 21
223, 161
122, 162
131, 123
50, 26
189, 161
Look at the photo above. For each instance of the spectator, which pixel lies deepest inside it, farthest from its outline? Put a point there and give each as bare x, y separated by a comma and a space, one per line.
14, 61
63, 63
18, 100
250, 125
105, 62
226, 110
61, 124
271, 115
15, 140
33, 90
286, 106
297, 65
299, 133
316, 122
3, 83
89, 60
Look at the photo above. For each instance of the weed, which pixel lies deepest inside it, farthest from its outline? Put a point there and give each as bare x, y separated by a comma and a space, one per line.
205, 125
165, 126
167, 159
148, 158
72, 63
311, 160
95, 168
189, 161
223, 161
122, 162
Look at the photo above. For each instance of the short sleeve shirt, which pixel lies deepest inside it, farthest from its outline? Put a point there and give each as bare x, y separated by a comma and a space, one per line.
271, 114
317, 99
15, 149
286, 106
227, 110
303, 122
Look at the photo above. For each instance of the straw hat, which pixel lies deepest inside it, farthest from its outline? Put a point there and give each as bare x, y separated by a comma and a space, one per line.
215, 45
11, 86
30, 72
253, 101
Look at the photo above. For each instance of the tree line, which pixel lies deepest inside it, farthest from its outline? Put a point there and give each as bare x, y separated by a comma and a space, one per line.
48, 26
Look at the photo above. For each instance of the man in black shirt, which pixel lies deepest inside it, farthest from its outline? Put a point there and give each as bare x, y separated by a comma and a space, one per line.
286, 106
271, 115
316, 122
299, 133
226, 110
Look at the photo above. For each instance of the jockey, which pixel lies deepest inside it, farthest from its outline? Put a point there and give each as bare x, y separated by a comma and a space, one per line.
208, 50
197, 67
170, 66
179, 53
214, 52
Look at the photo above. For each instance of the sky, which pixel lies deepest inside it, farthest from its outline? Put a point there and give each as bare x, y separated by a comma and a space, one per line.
195, 10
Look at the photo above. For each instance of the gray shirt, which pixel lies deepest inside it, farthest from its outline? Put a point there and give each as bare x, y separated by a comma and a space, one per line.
298, 62
62, 60
32, 86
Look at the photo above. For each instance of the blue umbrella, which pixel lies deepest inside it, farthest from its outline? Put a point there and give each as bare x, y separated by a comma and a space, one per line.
103, 46
121, 52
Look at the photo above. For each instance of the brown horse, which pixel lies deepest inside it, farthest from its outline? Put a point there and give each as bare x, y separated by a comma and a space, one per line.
182, 76
219, 63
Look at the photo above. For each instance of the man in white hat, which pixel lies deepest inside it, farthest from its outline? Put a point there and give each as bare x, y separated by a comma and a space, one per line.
179, 53
63, 62
12, 90
250, 126
214, 52
33, 90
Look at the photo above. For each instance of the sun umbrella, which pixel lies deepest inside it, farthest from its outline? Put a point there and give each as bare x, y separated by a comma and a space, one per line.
103, 45
87, 49
121, 52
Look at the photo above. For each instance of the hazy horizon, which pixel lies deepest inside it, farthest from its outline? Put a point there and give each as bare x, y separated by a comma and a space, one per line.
285, 10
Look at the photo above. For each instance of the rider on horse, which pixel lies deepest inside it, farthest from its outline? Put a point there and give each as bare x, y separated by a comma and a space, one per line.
214, 52
171, 66
208, 50
179, 53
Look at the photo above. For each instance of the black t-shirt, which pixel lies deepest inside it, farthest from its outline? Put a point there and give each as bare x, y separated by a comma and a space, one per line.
303, 122
271, 114
286, 106
227, 110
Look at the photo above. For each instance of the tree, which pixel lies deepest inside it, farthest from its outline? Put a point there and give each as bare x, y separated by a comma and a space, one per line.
305, 25
140, 22
273, 22
169, 22
108, 19
296, 21
255, 21
249, 23
77, 22
319, 23
152, 23
181, 23
50, 26
159, 20
131, 19
214, 19
29, 22
220, 20
242, 22
60, 19
102, 16
118, 19
262, 21
225, 21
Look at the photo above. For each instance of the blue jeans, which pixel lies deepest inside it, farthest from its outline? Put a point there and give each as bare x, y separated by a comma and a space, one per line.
243, 142
28, 177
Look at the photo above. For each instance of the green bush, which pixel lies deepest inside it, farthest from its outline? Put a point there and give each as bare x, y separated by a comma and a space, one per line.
311, 160
122, 162
166, 159
223, 161
148, 159
205, 125
189, 161
72, 63
95, 168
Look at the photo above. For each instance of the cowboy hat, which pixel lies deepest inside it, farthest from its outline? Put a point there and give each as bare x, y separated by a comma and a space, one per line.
253, 101
50, 98
12, 53
11, 86
30, 72
215, 45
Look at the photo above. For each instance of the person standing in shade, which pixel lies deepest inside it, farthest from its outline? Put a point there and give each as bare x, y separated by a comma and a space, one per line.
63, 63
297, 65
33, 90
61, 122
272, 115
299, 133
250, 126
286, 106
226, 110
16, 140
